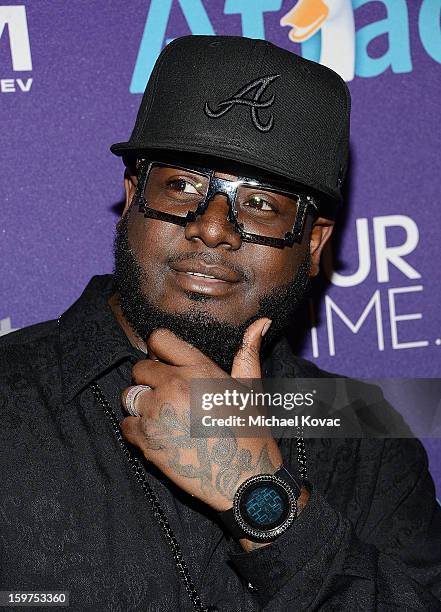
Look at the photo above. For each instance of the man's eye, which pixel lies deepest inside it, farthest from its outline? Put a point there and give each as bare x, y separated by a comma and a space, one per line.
183, 186
259, 203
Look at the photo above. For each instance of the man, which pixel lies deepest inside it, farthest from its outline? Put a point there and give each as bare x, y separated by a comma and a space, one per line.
233, 173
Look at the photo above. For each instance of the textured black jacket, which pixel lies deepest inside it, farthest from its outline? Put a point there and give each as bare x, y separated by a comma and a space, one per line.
73, 516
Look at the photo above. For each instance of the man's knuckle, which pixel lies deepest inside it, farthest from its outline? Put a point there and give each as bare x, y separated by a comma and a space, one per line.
138, 371
127, 428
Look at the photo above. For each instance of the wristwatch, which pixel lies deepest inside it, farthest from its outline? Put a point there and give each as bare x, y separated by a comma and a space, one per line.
264, 506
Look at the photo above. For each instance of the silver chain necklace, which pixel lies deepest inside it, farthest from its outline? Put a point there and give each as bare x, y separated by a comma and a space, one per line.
156, 507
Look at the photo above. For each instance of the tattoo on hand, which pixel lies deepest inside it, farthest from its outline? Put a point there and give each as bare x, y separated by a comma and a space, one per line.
171, 433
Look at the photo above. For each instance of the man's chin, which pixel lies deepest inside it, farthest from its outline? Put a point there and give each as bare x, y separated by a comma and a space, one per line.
218, 340
198, 326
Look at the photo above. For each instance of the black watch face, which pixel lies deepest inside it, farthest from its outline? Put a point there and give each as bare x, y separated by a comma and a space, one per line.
264, 507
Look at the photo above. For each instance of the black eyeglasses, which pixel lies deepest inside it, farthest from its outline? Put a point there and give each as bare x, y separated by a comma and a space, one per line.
259, 212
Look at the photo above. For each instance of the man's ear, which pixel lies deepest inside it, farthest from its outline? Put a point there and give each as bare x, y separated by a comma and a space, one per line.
130, 183
320, 233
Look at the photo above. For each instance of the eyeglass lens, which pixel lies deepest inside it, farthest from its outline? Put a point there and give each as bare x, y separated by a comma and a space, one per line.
262, 212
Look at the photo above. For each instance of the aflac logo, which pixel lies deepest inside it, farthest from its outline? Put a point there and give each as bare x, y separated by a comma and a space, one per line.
324, 28
13, 19
335, 20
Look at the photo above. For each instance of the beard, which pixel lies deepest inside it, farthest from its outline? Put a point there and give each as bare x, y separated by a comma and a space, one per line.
217, 339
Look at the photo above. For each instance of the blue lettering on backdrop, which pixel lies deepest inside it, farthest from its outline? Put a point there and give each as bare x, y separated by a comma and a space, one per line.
252, 15
396, 25
154, 33
430, 28
311, 48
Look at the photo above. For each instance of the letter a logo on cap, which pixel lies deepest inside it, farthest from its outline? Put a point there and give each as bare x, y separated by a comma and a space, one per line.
255, 102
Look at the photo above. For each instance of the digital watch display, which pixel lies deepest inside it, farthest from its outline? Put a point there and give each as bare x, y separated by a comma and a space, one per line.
264, 507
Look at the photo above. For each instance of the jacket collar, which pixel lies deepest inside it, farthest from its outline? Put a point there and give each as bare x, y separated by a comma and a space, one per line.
92, 342
91, 339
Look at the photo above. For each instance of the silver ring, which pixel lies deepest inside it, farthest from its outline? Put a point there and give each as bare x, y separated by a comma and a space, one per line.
132, 395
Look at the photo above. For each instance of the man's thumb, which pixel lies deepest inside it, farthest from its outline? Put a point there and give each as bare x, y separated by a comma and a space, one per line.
246, 363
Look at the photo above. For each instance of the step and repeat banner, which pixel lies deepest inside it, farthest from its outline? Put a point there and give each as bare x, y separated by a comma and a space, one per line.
71, 79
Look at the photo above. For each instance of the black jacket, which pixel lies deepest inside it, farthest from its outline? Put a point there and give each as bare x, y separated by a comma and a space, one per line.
73, 516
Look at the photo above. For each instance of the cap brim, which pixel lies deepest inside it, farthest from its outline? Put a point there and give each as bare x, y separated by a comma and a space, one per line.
120, 148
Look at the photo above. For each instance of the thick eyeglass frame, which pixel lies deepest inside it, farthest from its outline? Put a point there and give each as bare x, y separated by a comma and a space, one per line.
229, 189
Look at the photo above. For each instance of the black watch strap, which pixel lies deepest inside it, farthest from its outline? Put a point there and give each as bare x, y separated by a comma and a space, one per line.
292, 478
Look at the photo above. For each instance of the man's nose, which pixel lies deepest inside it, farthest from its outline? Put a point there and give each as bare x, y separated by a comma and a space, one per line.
213, 227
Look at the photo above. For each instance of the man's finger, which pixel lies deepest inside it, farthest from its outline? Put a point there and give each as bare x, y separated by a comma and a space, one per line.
168, 347
246, 363
130, 429
150, 372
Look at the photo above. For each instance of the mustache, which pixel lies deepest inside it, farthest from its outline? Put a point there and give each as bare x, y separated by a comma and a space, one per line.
214, 259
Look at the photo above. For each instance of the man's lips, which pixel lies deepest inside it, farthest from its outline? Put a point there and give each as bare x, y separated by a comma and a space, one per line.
206, 272
208, 279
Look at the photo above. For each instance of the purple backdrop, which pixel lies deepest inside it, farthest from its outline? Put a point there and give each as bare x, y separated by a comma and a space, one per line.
70, 77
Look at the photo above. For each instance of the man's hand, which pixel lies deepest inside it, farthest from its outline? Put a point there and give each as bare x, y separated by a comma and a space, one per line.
207, 468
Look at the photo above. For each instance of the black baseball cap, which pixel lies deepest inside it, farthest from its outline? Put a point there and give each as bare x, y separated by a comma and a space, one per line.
251, 102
